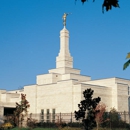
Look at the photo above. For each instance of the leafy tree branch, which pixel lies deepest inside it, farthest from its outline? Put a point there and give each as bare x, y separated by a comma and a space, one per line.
107, 4
128, 61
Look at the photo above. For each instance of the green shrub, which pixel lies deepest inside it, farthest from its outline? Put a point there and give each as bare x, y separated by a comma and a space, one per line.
75, 124
112, 120
46, 124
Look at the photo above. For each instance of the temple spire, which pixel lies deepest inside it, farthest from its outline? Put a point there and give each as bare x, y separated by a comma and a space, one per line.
64, 58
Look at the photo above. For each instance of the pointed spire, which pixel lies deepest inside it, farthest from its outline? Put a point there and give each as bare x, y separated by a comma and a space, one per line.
64, 58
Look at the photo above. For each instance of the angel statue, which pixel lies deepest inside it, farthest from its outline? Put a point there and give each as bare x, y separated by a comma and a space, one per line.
64, 18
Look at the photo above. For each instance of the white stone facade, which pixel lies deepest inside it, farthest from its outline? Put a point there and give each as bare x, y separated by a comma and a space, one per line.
61, 89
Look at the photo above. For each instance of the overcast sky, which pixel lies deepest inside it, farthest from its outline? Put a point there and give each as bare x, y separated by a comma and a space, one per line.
29, 39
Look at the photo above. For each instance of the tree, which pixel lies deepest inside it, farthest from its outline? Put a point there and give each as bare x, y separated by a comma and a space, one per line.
101, 107
108, 4
128, 62
21, 111
114, 116
112, 119
31, 123
87, 109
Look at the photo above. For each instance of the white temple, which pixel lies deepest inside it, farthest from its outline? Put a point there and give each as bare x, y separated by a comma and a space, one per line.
61, 89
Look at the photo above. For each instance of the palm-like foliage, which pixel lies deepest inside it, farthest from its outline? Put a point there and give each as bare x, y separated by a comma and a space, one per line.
128, 62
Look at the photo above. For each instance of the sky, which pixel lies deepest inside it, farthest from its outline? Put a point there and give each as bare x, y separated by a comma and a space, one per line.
29, 39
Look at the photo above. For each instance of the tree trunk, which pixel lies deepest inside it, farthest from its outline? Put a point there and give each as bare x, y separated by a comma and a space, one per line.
97, 125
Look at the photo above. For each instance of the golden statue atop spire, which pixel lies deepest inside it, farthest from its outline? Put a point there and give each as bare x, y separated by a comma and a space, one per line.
64, 18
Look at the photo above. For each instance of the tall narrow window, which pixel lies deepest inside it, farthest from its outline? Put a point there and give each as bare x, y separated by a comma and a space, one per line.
48, 115
128, 90
42, 115
53, 115
129, 104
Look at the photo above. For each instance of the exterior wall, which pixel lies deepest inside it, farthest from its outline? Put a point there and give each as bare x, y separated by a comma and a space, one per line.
10, 97
118, 94
3, 97
123, 87
65, 95
121, 80
7, 99
65, 70
2, 91
1, 111
110, 82
122, 96
31, 96
47, 79
13, 97
114, 97
55, 96
64, 61
78, 77
100, 91
76, 96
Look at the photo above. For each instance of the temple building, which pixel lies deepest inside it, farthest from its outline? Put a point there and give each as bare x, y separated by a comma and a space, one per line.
61, 89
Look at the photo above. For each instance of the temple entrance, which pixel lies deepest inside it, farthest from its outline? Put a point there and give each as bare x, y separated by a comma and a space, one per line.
8, 111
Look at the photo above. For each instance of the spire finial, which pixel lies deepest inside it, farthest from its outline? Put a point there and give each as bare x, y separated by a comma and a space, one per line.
64, 18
